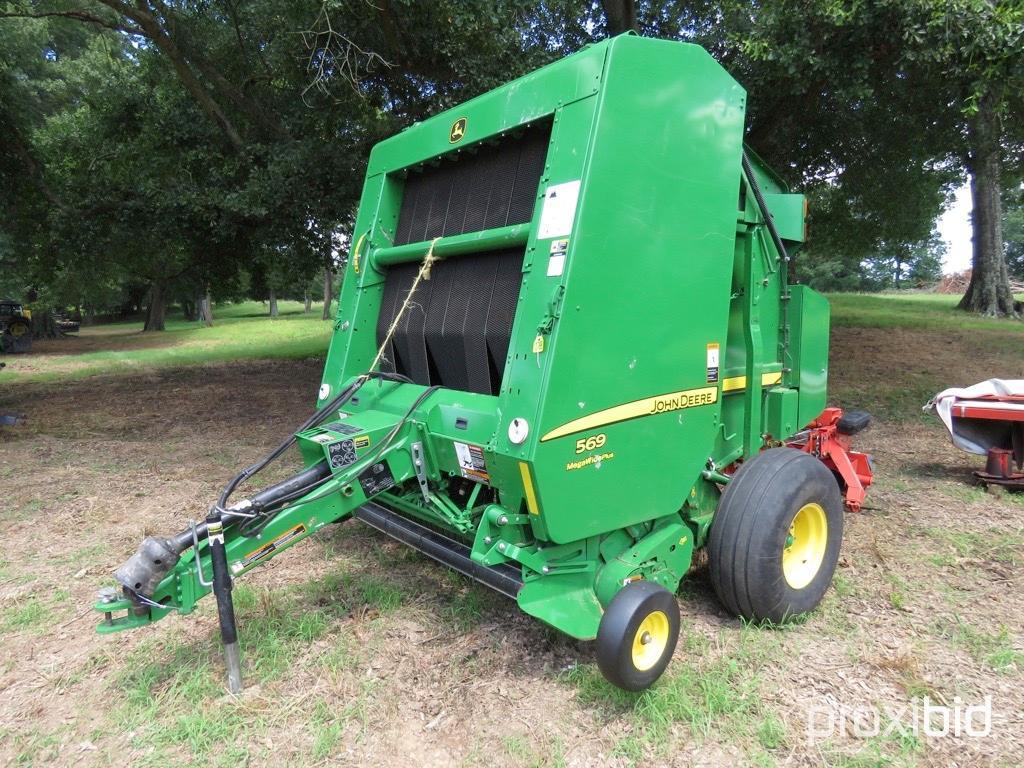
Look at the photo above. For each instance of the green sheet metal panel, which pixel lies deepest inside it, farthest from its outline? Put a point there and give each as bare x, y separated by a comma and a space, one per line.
810, 329
781, 412
647, 286
788, 211
533, 97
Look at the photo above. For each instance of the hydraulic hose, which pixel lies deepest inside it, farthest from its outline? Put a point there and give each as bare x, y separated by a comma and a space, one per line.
343, 397
763, 207
263, 501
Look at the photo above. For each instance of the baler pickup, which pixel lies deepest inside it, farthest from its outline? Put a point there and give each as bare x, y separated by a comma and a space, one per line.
567, 355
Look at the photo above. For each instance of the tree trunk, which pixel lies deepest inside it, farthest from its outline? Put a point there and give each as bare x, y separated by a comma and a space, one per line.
273, 303
308, 302
156, 309
621, 16
989, 289
328, 293
90, 315
43, 324
206, 309
188, 310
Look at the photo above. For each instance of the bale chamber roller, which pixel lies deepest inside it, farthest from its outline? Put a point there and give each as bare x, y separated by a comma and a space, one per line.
567, 355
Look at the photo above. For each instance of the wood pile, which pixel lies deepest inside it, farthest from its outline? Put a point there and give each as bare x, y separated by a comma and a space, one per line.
957, 283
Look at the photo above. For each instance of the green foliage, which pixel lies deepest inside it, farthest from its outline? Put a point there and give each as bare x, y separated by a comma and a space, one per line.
178, 147
1013, 236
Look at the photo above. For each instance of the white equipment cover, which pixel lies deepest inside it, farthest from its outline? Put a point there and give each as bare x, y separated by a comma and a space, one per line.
978, 435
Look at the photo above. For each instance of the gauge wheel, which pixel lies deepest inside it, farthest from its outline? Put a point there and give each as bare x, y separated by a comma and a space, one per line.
637, 635
775, 538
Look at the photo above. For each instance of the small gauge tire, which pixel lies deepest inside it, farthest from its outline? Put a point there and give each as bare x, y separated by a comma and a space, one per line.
637, 635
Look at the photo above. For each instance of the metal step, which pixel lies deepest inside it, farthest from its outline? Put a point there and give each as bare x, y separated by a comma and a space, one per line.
501, 578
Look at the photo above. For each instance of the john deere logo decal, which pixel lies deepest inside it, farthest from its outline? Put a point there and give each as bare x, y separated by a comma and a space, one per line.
458, 130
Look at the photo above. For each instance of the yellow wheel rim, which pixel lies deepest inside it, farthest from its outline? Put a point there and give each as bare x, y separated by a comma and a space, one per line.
805, 546
650, 640
19, 329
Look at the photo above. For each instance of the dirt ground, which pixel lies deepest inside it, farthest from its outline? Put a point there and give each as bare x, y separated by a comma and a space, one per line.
359, 651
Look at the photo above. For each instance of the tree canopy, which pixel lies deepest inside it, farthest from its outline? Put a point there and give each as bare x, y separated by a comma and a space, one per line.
165, 151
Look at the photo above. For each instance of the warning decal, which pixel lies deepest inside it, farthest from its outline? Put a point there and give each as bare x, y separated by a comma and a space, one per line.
343, 429
559, 210
556, 260
342, 453
376, 479
471, 462
712, 363
270, 547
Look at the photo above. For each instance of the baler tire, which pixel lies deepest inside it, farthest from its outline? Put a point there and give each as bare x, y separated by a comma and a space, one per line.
759, 567
626, 658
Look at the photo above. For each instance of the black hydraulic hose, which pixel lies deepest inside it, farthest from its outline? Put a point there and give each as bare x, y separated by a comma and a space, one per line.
270, 496
313, 420
266, 499
343, 397
297, 485
763, 207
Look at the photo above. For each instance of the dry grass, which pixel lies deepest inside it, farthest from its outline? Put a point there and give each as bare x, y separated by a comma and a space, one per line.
358, 651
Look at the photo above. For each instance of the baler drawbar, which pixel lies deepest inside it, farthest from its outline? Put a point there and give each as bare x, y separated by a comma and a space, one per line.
567, 355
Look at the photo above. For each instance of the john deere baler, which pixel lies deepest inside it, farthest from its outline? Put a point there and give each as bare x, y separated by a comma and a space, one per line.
566, 356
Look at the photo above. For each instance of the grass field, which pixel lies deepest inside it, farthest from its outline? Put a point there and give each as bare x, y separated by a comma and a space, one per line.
359, 651
241, 331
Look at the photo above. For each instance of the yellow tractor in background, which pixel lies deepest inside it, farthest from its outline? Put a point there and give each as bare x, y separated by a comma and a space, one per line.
15, 327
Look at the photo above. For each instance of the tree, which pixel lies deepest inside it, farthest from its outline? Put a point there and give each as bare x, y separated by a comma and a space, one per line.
833, 108
904, 265
972, 48
188, 139
620, 15
1013, 234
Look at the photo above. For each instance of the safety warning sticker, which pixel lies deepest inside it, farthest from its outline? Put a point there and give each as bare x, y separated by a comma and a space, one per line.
343, 429
712, 363
376, 479
559, 210
342, 453
556, 260
471, 462
272, 546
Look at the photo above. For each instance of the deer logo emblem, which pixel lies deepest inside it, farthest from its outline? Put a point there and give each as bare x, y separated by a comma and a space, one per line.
458, 131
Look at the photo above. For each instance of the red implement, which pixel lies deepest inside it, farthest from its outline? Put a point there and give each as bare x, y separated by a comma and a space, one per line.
823, 439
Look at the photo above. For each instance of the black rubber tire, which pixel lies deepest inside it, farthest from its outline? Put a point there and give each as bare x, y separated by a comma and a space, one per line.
17, 336
627, 610
749, 531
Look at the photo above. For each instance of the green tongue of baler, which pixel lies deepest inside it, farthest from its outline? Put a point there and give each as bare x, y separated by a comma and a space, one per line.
571, 297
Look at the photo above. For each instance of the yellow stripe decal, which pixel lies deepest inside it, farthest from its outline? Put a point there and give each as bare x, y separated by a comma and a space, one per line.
736, 383
355, 255
673, 401
531, 497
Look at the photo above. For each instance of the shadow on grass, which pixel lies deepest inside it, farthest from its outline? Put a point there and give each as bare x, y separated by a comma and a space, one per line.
935, 470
